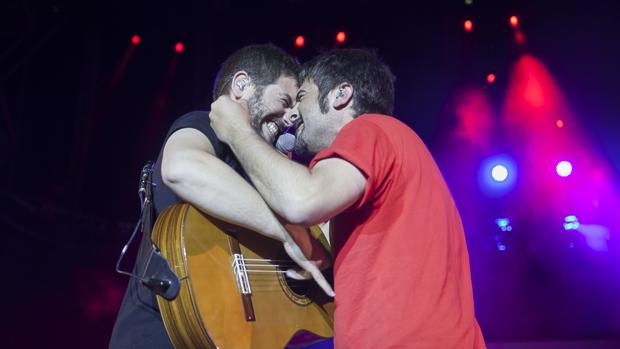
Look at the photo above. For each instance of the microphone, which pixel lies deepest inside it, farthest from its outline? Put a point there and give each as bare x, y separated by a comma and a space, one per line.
285, 143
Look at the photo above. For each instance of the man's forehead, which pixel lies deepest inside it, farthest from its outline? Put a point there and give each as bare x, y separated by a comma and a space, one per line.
287, 85
284, 87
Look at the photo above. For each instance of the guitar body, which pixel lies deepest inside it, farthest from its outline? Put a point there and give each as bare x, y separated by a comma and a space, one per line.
210, 310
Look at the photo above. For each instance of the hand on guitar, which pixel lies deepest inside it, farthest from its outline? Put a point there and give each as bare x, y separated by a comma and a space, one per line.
308, 266
309, 254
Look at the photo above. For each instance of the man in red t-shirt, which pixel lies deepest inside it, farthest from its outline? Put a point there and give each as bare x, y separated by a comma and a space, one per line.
401, 267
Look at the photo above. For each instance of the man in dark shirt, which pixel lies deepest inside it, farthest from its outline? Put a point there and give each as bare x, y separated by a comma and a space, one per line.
195, 167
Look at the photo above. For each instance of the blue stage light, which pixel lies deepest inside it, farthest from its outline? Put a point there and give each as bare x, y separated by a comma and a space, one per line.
571, 223
497, 175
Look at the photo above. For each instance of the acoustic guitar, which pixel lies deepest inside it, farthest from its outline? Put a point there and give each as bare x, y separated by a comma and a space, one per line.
233, 290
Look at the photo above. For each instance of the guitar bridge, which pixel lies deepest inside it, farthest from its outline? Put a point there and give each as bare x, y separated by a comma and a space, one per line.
241, 274
241, 277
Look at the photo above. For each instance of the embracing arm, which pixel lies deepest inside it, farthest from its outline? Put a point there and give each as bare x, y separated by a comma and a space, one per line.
192, 171
299, 195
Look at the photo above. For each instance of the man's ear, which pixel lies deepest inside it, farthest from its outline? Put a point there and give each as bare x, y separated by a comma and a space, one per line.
239, 85
342, 96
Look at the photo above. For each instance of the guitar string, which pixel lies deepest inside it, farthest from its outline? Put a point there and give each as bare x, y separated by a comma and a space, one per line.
276, 286
255, 280
264, 277
268, 260
267, 265
267, 282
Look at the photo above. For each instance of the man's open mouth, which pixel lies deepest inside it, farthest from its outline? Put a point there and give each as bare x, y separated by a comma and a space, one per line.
272, 128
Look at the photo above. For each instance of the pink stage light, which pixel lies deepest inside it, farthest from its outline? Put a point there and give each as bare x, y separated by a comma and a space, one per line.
491, 78
179, 47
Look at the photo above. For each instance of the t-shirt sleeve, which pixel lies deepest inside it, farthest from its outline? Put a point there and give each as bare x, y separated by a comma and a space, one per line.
199, 120
366, 146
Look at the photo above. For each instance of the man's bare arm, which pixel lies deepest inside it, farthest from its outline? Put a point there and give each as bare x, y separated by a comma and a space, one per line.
299, 195
192, 171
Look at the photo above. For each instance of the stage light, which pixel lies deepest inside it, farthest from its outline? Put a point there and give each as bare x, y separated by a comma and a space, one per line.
341, 37
519, 37
136, 39
469, 2
514, 21
503, 224
499, 173
564, 168
571, 223
300, 41
491, 78
559, 123
179, 47
468, 25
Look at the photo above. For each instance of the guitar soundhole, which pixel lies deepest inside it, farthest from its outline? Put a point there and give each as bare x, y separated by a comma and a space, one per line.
299, 291
301, 288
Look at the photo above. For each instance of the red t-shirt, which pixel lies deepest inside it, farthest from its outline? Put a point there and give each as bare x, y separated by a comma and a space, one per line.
401, 266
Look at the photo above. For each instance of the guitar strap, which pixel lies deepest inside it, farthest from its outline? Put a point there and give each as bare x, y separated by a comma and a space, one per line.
155, 273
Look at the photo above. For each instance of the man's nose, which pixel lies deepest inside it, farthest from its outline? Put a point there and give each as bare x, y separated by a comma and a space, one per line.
291, 117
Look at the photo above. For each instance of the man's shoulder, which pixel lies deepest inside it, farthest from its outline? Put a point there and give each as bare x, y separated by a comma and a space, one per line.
380, 120
368, 125
387, 125
193, 116
198, 119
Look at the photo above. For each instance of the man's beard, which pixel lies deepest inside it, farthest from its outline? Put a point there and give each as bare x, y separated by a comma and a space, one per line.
257, 110
301, 147
310, 141
302, 154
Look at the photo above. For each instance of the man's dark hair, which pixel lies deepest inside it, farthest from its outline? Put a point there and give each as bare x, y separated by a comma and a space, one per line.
372, 80
264, 63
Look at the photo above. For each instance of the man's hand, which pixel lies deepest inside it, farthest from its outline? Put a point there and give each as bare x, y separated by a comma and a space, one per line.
309, 245
308, 266
311, 248
229, 119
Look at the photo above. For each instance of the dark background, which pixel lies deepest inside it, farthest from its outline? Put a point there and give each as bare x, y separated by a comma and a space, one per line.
81, 111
